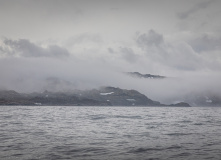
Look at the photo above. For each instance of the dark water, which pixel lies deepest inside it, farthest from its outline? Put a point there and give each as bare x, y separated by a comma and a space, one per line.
99, 133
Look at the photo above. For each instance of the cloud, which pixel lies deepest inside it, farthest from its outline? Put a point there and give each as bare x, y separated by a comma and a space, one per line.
183, 57
1, 50
178, 55
205, 43
194, 9
149, 39
128, 54
84, 38
25, 48
110, 50
28, 73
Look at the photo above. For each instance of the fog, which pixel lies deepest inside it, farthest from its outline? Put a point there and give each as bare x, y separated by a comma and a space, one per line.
68, 45
38, 73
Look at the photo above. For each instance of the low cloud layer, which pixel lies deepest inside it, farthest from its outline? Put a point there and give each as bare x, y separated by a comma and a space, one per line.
28, 67
25, 48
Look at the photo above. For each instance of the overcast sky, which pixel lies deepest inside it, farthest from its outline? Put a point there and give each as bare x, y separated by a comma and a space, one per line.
90, 43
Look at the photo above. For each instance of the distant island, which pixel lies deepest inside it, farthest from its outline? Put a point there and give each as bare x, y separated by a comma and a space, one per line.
149, 76
104, 96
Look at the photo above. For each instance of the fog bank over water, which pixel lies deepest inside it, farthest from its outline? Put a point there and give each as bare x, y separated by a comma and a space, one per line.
87, 44
29, 75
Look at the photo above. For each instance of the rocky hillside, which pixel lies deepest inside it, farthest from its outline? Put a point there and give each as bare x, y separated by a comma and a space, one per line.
119, 97
104, 96
47, 98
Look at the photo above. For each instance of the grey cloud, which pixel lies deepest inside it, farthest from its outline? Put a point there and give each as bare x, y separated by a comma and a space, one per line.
179, 56
25, 48
84, 38
149, 39
206, 43
153, 45
1, 50
183, 57
128, 54
194, 9
110, 50
54, 50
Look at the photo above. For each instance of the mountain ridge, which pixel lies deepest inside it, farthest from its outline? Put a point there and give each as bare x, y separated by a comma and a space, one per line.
104, 96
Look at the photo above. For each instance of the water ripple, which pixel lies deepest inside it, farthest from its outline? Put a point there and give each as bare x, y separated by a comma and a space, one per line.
106, 133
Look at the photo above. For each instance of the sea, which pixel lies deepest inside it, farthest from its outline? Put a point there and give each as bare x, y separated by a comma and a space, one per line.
110, 133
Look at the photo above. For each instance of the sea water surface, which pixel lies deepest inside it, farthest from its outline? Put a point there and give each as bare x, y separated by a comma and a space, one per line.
100, 133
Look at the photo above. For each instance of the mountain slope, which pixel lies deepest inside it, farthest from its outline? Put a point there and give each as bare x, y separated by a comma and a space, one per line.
104, 96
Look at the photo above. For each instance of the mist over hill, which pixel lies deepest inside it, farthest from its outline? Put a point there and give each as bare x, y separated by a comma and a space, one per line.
197, 91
